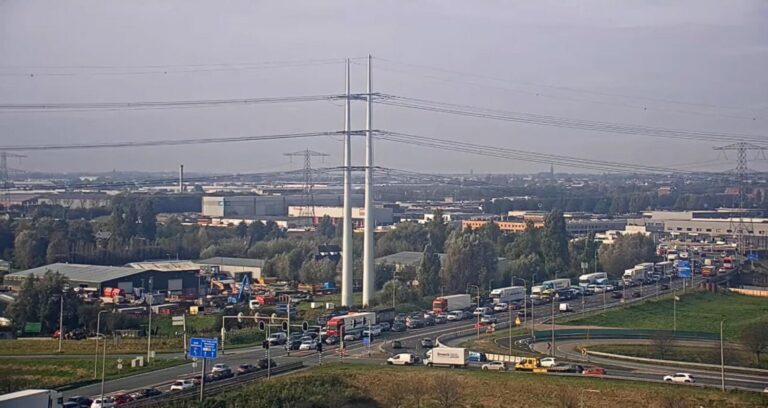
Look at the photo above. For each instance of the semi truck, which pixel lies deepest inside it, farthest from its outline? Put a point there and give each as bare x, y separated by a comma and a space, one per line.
32, 398
508, 294
664, 269
446, 357
592, 278
445, 304
633, 275
557, 284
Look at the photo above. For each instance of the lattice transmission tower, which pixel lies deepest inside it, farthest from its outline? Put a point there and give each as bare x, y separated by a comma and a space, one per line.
5, 179
308, 199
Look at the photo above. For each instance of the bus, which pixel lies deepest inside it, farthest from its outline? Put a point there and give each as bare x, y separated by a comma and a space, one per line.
508, 294
350, 321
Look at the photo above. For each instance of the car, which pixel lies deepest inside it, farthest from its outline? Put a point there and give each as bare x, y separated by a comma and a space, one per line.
414, 323
500, 307
375, 330
217, 376
308, 333
427, 343
245, 369
108, 402
181, 385
277, 339
353, 336
385, 326
429, 320
219, 367
293, 344
70, 404
262, 364
145, 393
397, 344
80, 401
331, 340
488, 319
455, 316
636, 294
121, 398
495, 365
481, 311
398, 327
665, 287
548, 361
565, 368
617, 295
680, 378
402, 359
593, 371
308, 345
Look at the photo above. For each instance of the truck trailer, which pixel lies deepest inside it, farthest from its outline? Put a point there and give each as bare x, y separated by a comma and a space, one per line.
446, 357
445, 304
32, 399
591, 278
508, 294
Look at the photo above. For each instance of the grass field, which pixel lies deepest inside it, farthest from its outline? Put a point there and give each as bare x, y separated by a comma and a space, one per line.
705, 355
18, 374
422, 387
699, 311
88, 347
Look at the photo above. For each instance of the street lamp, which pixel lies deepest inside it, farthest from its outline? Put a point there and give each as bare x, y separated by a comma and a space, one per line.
525, 305
64, 289
103, 366
478, 306
98, 332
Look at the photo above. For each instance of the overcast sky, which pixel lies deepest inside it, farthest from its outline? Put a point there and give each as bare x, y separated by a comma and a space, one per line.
689, 64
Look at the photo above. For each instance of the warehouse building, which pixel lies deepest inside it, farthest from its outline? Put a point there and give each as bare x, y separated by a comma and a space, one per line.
266, 206
100, 277
381, 215
235, 267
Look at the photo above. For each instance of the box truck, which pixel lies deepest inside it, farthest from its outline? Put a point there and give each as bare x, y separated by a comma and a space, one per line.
591, 278
446, 357
445, 304
508, 295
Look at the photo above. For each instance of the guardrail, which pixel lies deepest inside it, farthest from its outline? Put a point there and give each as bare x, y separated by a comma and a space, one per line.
622, 334
675, 362
213, 387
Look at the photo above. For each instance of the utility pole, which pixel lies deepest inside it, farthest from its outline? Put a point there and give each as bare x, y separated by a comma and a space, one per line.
346, 262
552, 350
722, 359
5, 179
369, 269
181, 178
149, 325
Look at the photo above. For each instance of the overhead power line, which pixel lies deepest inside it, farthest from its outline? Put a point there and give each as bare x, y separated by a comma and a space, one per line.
171, 142
561, 122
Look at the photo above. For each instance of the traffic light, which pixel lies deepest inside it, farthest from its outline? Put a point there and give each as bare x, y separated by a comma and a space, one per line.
265, 344
304, 326
320, 347
285, 325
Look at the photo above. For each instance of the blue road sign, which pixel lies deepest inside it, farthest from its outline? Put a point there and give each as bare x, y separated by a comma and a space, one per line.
366, 341
753, 257
203, 348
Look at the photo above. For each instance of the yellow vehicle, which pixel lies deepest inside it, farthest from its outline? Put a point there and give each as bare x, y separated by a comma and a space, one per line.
530, 364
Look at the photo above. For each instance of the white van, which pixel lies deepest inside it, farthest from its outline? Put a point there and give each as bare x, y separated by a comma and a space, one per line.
277, 338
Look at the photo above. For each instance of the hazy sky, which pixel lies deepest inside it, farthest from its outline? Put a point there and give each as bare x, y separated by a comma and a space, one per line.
692, 64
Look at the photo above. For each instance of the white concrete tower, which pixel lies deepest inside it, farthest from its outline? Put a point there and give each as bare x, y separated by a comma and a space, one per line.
346, 250
368, 244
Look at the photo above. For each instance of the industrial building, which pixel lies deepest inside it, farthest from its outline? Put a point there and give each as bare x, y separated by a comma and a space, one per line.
100, 277
381, 215
266, 206
235, 267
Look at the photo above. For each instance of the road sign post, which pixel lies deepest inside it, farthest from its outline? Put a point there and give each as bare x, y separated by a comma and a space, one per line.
203, 348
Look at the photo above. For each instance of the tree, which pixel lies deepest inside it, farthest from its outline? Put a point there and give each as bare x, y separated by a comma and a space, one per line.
58, 250
663, 342
447, 394
554, 243
437, 231
241, 230
147, 220
30, 249
314, 271
325, 228
625, 252
39, 301
428, 273
407, 236
754, 337
470, 259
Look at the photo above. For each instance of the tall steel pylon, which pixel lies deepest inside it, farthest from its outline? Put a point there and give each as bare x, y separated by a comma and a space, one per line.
742, 226
5, 179
308, 199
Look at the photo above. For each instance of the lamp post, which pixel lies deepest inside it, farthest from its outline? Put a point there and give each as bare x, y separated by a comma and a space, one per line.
674, 310
525, 307
103, 367
96, 353
722, 359
478, 306
61, 315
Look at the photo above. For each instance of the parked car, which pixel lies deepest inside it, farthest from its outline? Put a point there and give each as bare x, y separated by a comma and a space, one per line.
262, 364
548, 362
402, 359
680, 377
245, 369
219, 368
397, 344
427, 343
495, 365
593, 371
181, 385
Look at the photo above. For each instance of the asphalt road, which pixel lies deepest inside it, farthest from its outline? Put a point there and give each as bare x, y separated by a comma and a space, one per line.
355, 351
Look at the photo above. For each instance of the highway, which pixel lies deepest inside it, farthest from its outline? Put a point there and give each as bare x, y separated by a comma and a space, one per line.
354, 351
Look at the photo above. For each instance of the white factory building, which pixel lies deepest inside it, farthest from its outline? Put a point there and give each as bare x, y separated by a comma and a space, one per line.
381, 215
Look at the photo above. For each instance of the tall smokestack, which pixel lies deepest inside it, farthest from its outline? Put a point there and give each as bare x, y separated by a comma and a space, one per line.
181, 178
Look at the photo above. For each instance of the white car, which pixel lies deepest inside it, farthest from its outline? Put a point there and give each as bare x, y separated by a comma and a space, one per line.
548, 362
680, 377
108, 403
217, 368
375, 331
181, 385
402, 359
500, 307
488, 319
455, 316
495, 365
308, 345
